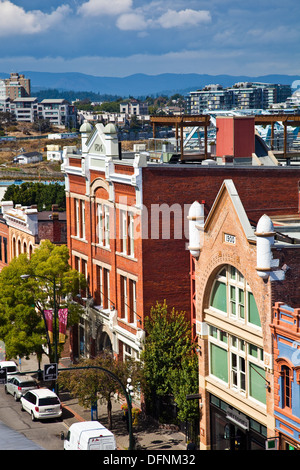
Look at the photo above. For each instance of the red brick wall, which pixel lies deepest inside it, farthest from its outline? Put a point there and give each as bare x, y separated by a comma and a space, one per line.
166, 262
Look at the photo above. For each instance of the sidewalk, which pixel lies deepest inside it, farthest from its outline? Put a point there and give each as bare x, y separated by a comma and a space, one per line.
148, 435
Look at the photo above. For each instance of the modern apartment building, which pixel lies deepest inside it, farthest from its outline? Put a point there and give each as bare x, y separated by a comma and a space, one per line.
28, 109
243, 95
134, 108
25, 109
59, 112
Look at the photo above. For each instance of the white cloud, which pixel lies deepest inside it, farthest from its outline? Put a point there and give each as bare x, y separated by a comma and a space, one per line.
104, 7
173, 19
14, 20
131, 22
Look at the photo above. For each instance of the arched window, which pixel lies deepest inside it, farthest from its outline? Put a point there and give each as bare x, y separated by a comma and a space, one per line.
232, 296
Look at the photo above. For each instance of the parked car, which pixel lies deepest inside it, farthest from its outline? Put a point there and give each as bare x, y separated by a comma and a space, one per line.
10, 366
41, 403
18, 385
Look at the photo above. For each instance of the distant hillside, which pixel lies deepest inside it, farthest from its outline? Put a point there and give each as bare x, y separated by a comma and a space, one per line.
139, 85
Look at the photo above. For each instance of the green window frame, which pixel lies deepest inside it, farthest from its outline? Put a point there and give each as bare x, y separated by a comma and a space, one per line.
219, 362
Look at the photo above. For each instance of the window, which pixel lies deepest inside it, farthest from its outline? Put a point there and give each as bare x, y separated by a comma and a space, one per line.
103, 280
77, 231
132, 302
286, 387
128, 299
103, 225
127, 233
82, 219
123, 282
232, 296
237, 363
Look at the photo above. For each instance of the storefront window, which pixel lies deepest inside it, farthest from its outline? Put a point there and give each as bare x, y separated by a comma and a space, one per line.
231, 430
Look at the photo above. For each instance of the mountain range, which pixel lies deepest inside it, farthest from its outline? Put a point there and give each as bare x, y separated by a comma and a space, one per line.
139, 85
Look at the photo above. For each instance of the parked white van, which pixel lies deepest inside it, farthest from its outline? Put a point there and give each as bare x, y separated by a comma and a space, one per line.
89, 435
10, 366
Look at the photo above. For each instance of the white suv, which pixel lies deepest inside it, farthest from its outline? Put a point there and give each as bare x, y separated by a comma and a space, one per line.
41, 404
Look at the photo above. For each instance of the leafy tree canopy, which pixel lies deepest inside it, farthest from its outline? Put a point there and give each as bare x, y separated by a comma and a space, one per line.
22, 301
90, 385
40, 194
170, 363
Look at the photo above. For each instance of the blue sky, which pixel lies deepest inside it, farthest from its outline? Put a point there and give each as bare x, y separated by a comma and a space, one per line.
122, 37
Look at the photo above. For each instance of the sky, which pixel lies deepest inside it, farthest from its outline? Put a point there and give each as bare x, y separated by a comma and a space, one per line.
118, 38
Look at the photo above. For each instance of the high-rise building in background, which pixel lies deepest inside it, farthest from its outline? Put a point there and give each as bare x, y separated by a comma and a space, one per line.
16, 86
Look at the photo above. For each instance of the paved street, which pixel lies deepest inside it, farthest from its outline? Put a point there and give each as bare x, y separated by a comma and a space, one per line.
47, 434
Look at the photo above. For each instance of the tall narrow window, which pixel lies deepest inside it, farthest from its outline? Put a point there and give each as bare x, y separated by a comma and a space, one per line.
103, 225
124, 303
132, 301
103, 276
106, 225
82, 219
106, 288
286, 387
123, 231
5, 249
130, 234
77, 230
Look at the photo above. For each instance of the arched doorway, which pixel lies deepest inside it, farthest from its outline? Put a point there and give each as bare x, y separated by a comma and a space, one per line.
104, 343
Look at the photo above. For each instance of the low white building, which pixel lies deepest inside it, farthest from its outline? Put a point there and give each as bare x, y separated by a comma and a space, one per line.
54, 153
28, 157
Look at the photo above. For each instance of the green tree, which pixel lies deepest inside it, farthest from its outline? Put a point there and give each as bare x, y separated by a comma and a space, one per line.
91, 385
40, 194
185, 382
168, 356
23, 301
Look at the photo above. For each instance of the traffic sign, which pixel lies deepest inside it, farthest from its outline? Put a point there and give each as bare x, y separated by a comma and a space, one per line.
50, 371
3, 376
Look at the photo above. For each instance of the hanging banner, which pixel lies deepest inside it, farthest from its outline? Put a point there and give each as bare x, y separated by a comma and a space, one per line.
62, 319
49, 322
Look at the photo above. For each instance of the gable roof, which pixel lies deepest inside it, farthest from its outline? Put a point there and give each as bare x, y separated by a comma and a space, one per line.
229, 187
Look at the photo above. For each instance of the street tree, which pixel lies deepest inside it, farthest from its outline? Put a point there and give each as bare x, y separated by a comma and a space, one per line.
90, 385
49, 282
168, 358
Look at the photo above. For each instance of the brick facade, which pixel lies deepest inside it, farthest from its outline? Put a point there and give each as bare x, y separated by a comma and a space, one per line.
239, 250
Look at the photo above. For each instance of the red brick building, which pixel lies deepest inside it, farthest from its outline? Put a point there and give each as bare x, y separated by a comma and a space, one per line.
128, 228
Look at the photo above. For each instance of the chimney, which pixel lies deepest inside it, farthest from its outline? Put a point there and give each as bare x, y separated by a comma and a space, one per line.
235, 136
